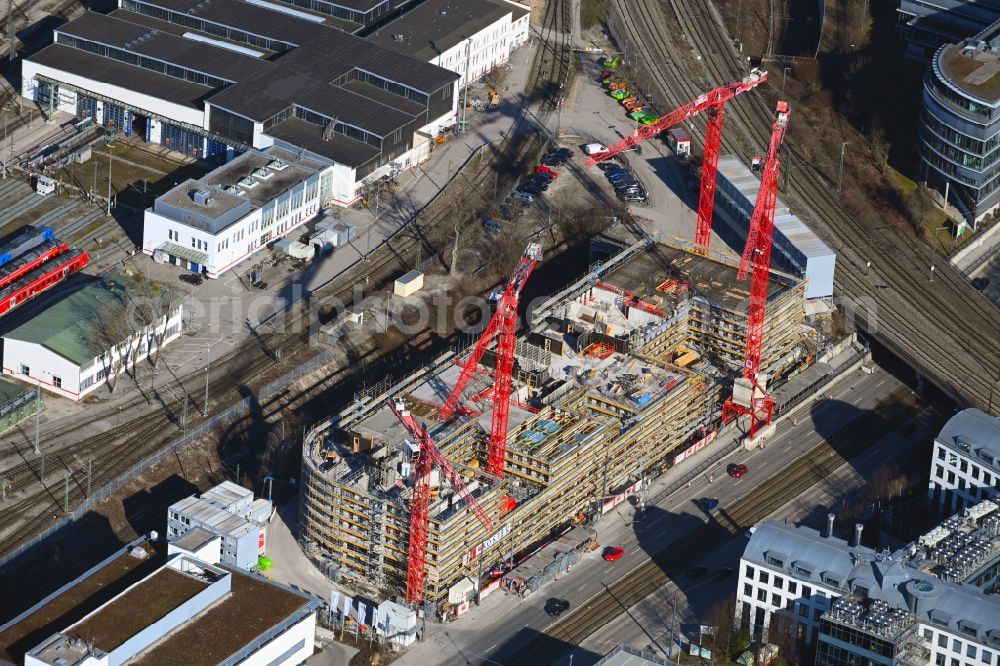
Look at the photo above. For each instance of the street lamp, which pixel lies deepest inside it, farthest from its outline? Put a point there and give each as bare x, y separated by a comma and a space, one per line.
109, 177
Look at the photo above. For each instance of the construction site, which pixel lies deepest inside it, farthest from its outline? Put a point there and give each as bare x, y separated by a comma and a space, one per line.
616, 374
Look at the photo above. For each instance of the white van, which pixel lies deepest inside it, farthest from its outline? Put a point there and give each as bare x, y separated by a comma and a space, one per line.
594, 148
45, 185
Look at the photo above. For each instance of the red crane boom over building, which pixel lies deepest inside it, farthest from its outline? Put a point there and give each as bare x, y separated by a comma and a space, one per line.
713, 102
756, 261
504, 326
428, 453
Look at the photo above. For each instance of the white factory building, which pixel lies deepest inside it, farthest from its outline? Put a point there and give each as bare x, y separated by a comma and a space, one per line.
171, 607
469, 37
927, 603
213, 79
965, 465
797, 249
227, 515
211, 224
64, 343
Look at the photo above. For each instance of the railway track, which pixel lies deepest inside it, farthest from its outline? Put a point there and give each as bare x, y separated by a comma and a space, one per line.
795, 478
944, 327
248, 365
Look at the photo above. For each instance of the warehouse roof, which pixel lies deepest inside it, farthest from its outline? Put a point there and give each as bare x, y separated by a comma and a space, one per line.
339, 148
106, 70
70, 321
435, 26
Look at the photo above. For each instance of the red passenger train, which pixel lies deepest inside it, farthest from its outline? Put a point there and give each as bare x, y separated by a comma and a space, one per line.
40, 279
30, 260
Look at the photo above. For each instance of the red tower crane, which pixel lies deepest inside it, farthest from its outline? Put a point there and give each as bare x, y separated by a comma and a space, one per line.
504, 326
713, 103
756, 261
428, 453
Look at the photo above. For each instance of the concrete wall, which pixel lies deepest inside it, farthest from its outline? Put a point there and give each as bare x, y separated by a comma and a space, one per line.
292, 646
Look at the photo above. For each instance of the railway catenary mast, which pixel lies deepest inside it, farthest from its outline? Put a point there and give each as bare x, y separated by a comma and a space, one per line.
756, 261
713, 103
428, 454
504, 325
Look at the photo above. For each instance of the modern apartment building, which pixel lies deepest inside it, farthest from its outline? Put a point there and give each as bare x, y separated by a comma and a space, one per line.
965, 466
933, 601
959, 132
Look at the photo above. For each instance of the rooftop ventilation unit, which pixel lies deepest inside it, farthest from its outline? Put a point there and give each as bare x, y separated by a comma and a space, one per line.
202, 197
232, 189
262, 173
247, 183
277, 165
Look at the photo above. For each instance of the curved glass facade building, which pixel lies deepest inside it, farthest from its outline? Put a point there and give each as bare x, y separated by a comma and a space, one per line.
960, 123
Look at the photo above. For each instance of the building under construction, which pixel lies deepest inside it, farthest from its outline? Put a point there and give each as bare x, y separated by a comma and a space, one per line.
619, 374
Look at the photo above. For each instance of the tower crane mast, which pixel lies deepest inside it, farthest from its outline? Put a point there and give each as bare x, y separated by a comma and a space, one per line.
756, 262
503, 325
713, 103
428, 454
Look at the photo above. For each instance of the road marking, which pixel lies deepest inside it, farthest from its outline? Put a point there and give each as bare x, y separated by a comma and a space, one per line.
637, 550
763, 463
491, 647
581, 587
787, 448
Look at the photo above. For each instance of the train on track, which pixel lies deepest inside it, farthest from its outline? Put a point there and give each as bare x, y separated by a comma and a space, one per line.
27, 238
32, 261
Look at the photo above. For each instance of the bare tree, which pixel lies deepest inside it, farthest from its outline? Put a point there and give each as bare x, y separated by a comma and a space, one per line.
497, 77
109, 332
880, 146
152, 304
465, 206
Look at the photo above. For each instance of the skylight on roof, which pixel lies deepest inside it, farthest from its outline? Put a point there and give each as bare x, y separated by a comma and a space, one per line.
248, 183
223, 45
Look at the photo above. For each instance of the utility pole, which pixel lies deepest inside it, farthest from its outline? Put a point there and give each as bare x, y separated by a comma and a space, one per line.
784, 75
207, 365
10, 31
38, 409
468, 64
109, 178
89, 465
184, 412
840, 168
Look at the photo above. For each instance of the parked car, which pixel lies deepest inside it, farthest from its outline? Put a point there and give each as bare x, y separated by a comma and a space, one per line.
608, 166
594, 148
708, 504
492, 226
192, 278
549, 170
980, 283
540, 181
543, 177
617, 173
531, 188
556, 607
634, 198
612, 553
617, 178
697, 571
562, 152
553, 161
525, 198
627, 184
736, 471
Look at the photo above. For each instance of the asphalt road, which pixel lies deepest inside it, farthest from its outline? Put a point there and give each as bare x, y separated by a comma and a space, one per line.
504, 622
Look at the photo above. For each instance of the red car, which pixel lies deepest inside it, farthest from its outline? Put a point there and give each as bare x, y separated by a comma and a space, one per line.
613, 553
549, 171
736, 471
